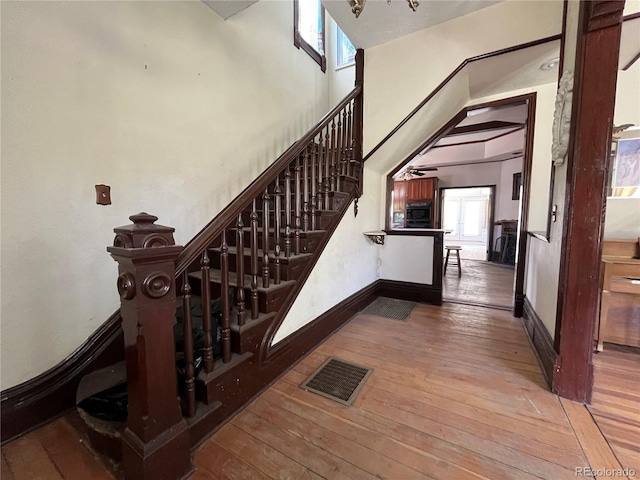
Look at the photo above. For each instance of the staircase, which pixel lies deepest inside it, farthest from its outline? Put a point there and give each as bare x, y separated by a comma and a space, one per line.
232, 285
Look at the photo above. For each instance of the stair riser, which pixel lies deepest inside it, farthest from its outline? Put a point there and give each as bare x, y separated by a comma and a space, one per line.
268, 301
288, 271
308, 242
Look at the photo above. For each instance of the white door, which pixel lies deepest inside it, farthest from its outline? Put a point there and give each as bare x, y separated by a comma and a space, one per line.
466, 215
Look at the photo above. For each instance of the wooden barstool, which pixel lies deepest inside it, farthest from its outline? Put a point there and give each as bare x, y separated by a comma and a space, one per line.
455, 248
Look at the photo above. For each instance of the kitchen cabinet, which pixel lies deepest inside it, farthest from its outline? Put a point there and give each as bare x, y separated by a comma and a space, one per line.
421, 189
399, 196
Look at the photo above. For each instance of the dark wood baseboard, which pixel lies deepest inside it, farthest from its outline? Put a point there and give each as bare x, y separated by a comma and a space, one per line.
414, 292
540, 339
36, 402
40, 400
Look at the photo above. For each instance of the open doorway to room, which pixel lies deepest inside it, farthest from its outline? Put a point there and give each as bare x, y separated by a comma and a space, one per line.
473, 181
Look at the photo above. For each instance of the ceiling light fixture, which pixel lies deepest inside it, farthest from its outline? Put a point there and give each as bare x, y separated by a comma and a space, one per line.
550, 64
358, 5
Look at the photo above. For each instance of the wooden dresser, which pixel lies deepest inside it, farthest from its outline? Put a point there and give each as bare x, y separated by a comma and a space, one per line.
620, 298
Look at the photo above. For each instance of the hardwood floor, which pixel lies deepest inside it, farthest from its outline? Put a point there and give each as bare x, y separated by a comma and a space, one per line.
53, 452
481, 283
615, 404
455, 393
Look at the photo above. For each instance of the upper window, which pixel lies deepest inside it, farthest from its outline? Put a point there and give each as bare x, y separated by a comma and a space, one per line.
346, 51
308, 29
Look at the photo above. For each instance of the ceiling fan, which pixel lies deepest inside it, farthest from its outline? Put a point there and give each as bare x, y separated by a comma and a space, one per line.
411, 171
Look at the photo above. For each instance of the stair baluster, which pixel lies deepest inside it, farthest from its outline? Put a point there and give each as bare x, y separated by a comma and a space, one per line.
206, 312
349, 140
298, 198
254, 261
240, 271
334, 156
287, 213
338, 153
314, 161
187, 333
225, 336
318, 183
344, 145
305, 189
265, 239
327, 168
277, 225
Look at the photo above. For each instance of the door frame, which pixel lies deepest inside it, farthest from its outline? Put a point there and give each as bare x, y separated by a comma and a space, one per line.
492, 211
528, 99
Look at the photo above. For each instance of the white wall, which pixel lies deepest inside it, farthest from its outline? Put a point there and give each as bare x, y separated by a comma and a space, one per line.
407, 259
173, 107
403, 72
506, 207
341, 80
348, 263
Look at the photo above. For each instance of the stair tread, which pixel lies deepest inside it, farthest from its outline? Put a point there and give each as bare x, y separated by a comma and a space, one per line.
215, 276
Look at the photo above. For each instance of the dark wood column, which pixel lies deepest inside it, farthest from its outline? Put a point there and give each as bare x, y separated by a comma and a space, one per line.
155, 444
597, 51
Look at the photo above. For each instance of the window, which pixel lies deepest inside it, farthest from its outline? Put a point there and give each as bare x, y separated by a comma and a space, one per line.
308, 29
346, 51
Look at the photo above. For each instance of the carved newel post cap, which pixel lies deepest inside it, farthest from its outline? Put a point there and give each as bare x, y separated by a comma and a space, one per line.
143, 233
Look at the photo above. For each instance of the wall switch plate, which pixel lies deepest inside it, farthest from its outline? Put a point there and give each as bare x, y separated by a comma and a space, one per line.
103, 194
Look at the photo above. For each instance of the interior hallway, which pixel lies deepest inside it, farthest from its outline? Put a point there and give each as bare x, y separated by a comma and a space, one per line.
456, 392
481, 283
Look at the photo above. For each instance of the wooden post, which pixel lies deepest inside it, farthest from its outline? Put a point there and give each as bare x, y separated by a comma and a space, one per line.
594, 89
358, 118
155, 444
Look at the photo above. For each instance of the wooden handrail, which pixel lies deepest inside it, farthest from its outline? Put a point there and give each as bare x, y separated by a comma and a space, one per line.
209, 233
449, 78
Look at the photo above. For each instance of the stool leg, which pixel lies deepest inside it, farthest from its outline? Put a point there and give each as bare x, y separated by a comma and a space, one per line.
459, 268
446, 262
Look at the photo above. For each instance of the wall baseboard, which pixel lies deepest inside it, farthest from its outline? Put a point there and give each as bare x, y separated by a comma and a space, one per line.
540, 339
414, 292
36, 402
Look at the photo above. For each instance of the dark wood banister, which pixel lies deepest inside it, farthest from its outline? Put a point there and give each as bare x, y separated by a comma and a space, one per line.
448, 79
208, 234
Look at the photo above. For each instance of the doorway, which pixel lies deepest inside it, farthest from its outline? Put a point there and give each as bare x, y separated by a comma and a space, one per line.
467, 213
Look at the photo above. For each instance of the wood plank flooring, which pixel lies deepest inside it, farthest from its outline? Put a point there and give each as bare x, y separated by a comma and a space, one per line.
481, 283
53, 452
455, 393
615, 405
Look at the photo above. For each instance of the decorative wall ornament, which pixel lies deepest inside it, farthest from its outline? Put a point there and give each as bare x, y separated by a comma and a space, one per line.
156, 285
562, 119
358, 5
126, 286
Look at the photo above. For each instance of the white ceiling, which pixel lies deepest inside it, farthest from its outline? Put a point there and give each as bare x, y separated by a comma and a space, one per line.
630, 41
228, 8
380, 23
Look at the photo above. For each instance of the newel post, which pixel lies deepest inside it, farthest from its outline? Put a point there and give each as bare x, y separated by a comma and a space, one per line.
155, 444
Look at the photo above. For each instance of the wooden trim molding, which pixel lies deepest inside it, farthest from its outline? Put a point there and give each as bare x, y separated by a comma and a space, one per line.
596, 70
450, 77
35, 402
540, 339
410, 291
40, 400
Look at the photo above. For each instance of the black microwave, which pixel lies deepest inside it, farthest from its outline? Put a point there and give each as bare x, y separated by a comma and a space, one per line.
419, 214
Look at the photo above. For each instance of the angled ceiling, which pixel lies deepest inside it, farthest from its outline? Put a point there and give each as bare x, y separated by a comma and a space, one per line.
380, 22
228, 8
